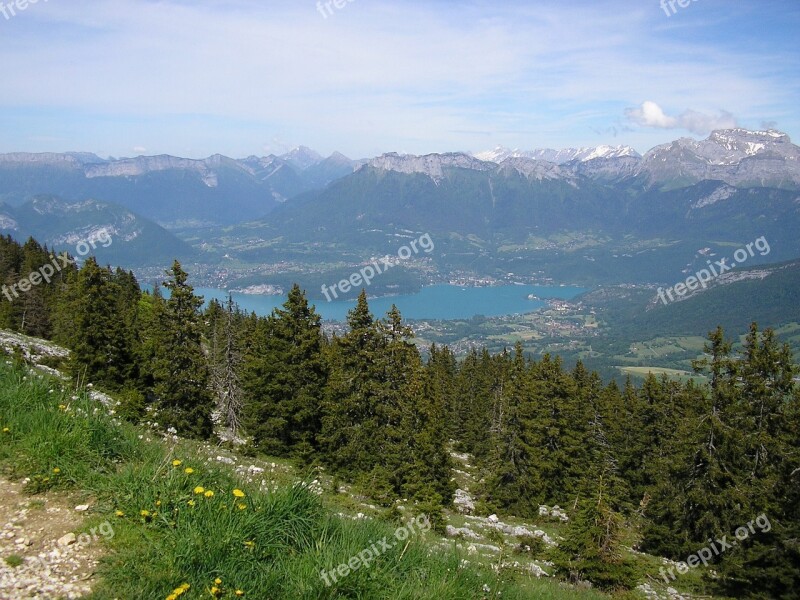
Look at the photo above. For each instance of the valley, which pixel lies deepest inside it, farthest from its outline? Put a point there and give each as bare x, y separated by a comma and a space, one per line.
408, 301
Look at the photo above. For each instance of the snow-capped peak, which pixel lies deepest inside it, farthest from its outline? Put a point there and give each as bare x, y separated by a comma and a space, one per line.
558, 157
302, 157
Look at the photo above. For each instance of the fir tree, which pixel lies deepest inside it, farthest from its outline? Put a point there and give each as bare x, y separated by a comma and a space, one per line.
101, 350
178, 367
592, 548
350, 429
286, 380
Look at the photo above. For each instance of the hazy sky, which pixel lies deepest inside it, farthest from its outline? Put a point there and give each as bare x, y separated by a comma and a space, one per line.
241, 77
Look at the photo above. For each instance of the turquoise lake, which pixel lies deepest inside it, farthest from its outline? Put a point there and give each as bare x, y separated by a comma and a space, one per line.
444, 302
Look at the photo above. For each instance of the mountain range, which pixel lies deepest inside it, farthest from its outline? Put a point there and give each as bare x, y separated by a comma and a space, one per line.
61, 225
558, 157
626, 217
176, 192
578, 214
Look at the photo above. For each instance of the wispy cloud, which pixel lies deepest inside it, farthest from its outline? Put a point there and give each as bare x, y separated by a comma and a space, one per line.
231, 76
650, 114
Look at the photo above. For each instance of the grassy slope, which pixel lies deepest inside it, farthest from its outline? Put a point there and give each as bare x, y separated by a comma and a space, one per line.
273, 548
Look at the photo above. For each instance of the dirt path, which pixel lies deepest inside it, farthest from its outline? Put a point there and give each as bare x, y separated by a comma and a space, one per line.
33, 562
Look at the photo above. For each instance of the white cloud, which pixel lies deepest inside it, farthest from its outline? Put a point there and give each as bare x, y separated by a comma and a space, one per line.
209, 76
139, 149
650, 114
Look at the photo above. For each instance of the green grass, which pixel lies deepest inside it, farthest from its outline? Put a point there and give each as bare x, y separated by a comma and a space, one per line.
640, 373
165, 534
14, 560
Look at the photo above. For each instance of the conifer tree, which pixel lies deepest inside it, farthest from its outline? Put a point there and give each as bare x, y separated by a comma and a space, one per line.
592, 548
514, 483
178, 367
703, 491
101, 350
412, 417
560, 430
349, 423
286, 380
34, 304
473, 383
766, 563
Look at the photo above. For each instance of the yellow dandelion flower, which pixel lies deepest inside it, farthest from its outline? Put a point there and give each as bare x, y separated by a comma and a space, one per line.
218, 581
250, 544
56, 470
190, 503
177, 463
145, 513
239, 593
6, 430
188, 470
238, 493
241, 506
214, 591
172, 597
199, 489
119, 513
185, 586
62, 407
209, 494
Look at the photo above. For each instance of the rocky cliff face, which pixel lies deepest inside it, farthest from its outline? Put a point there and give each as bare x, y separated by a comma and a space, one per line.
736, 156
432, 165
134, 167
535, 169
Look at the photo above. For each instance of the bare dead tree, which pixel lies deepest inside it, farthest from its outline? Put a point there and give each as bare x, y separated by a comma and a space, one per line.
226, 364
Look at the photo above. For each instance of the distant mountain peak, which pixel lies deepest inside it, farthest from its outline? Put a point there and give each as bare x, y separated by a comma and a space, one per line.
339, 157
559, 157
740, 142
302, 157
739, 134
737, 156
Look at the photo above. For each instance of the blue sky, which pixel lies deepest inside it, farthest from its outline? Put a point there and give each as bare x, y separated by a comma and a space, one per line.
242, 77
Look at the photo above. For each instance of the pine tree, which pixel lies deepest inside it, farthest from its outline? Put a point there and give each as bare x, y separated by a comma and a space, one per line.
350, 430
101, 350
178, 367
592, 548
560, 430
34, 304
603, 453
412, 418
513, 484
473, 384
441, 371
765, 565
703, 489
382, 423
285, 380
